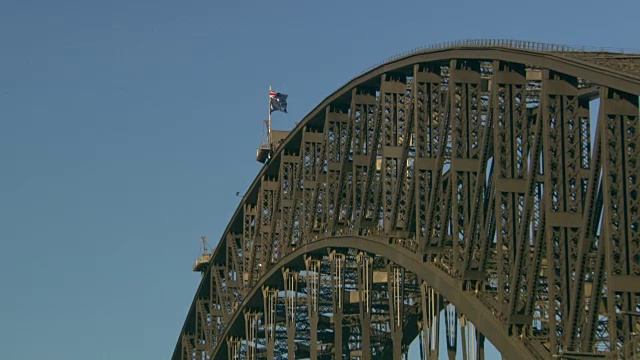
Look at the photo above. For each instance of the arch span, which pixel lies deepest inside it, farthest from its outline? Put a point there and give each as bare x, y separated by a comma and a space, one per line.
485, 321
487, 160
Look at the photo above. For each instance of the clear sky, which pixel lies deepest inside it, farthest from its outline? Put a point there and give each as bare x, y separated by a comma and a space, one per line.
127, 127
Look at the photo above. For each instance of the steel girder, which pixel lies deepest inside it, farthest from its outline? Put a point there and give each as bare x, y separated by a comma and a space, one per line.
465, 181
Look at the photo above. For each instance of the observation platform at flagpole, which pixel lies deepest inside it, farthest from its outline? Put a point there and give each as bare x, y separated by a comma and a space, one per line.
266, 149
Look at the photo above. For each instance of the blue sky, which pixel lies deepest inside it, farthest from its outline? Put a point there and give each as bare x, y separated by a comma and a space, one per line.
127, 127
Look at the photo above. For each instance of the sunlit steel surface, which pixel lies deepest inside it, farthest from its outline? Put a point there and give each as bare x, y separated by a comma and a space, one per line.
488, 184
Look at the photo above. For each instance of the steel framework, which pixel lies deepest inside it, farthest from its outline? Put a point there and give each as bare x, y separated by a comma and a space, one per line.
461, 184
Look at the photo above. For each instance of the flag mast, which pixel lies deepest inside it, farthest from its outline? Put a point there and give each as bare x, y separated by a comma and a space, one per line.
277, 101
269, 121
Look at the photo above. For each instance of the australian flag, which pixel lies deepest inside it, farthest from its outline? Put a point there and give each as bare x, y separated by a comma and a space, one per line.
277, 101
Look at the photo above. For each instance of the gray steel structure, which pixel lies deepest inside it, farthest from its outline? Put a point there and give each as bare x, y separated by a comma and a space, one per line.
458, 183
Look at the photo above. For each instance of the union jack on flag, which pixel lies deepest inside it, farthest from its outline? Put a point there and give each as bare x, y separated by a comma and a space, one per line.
277, 101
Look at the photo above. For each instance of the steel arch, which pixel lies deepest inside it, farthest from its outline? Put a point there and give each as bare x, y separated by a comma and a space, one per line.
444, 284
481, 148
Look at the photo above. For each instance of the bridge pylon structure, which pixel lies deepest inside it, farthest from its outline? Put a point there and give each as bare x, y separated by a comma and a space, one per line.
463, 192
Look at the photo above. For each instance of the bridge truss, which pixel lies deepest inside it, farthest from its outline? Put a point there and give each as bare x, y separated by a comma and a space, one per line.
492, 186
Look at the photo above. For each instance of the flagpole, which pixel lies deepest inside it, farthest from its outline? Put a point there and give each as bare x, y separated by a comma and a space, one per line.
269, 122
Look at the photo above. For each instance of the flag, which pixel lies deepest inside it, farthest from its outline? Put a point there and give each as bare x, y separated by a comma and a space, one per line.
277, 102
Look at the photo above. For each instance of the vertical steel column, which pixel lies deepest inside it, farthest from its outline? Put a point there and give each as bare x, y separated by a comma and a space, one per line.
462, 322
251, 322
291, 301
233, 272
579, 330
203, 328
339, 176
233, 348
268, 206
430, 320
466, 129
248, 249
477, 152
365, 282
563, 196
405, 140
431, 130
396, 306
480, 343
337, 261
217, 308
364, 147
514, 186
270, 297
187, 347
619, 121
440, 211
509, 121
198, 326
312, 163
289, 187
451, 328
470, 339
312, 275
394, 104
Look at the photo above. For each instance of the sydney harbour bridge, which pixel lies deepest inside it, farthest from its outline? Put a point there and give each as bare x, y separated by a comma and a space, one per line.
468, 192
